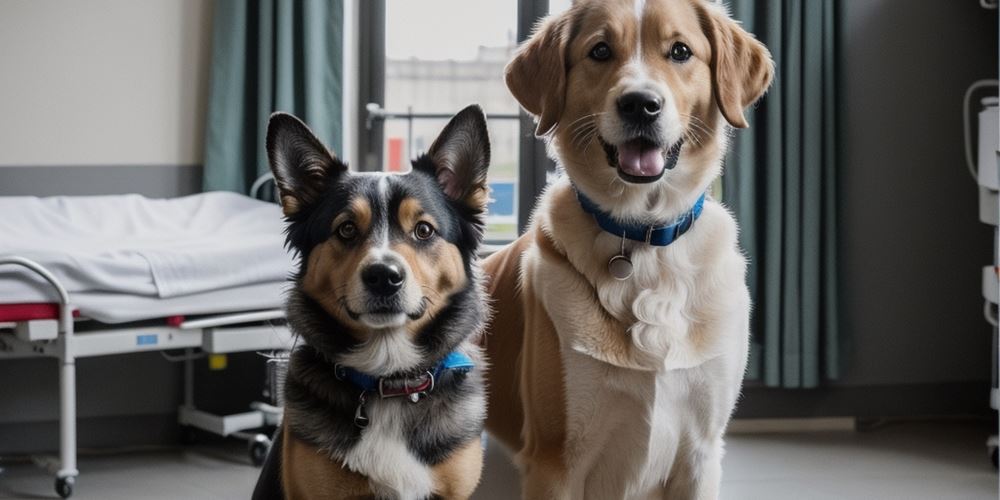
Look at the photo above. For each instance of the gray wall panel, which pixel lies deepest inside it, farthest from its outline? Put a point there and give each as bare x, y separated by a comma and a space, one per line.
155, 181
912, 244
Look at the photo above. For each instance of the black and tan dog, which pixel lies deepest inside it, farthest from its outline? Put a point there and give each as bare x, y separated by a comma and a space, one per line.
385, 399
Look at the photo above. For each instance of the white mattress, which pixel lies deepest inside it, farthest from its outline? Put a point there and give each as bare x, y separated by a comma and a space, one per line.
121, 307
123, 258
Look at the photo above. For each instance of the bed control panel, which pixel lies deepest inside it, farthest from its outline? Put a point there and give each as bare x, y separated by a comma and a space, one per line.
250, 338
37, 329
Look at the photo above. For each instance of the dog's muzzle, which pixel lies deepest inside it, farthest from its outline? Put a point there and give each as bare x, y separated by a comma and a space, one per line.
640, 160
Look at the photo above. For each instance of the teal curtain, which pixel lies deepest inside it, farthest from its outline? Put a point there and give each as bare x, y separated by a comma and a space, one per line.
780, 181
269, 55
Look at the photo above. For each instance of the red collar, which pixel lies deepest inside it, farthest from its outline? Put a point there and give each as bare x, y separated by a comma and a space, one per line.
389, 387
405, 386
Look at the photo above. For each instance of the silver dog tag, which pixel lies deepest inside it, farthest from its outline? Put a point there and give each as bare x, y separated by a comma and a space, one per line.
620, 267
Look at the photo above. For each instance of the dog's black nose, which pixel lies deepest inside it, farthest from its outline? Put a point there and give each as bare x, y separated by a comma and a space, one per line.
383, 279
640, 107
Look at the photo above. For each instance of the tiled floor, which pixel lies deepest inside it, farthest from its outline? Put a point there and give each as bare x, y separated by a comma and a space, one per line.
897, 461
909, 461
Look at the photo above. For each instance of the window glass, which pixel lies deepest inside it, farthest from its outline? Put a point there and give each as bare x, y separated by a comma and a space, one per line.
559, 5
442, 55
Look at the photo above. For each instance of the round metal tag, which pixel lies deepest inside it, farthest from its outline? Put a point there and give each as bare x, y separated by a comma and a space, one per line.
620, 267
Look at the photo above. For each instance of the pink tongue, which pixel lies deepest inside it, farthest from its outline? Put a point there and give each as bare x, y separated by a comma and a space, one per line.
636, 160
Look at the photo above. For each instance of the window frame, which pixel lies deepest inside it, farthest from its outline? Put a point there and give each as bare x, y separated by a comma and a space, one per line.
534, 165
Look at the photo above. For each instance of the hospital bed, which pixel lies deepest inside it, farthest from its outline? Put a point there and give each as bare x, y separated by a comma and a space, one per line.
96, 276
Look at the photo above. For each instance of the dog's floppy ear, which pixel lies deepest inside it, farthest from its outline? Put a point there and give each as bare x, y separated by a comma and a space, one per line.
461, 157
302, 166
537, 74
742, 68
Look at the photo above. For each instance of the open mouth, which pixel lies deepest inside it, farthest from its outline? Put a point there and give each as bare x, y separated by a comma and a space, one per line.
641, 160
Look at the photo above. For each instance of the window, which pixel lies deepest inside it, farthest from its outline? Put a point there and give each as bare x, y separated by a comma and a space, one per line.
440, 56
556, 6
419, 63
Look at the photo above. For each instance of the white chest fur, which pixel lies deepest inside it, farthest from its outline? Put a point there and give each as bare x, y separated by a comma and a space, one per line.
383, 456
684, 303
629, 431
683, 321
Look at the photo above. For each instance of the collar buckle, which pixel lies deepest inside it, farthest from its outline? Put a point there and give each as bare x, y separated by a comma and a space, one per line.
415, 392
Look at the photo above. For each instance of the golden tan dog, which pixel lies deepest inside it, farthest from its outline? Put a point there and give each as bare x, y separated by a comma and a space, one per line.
618, 381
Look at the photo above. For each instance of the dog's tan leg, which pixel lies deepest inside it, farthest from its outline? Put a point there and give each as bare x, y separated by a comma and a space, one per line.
308, 473
543, 477
457, 477
697, 474
527, 418
503, 341
544, 402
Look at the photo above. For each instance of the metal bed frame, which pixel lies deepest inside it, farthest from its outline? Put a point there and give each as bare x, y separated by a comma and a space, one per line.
225, 333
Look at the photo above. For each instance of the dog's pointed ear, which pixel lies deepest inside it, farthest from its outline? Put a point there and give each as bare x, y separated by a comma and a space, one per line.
461, 157
537, 74
302, 166
742, 68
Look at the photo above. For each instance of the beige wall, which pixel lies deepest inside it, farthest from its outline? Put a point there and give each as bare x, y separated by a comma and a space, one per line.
103, 82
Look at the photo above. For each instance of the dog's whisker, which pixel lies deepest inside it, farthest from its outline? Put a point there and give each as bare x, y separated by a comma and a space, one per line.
433, 291
579, 119
580, 122
577, 128
693, 138
592, 115
577, 134
585, 139
700, 131
698, 125
583, 130
590, 142
576, 138
697, 128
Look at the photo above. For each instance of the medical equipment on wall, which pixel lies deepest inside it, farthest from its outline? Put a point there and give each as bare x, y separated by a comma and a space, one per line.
984, 166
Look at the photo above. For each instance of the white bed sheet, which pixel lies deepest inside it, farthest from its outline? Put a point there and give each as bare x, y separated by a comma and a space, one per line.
120, 307
129, 257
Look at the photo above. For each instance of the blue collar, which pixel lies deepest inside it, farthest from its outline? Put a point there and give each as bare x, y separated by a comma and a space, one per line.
659, 236
454, 361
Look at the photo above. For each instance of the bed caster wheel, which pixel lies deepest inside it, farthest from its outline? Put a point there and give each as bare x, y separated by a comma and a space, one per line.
258, 449
64, 486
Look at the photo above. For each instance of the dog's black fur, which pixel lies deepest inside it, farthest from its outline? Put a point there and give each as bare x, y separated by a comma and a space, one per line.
320, 408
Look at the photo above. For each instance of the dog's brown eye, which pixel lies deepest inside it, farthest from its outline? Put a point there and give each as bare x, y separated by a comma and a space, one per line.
347, 231
600, 52
680, 52
423, 231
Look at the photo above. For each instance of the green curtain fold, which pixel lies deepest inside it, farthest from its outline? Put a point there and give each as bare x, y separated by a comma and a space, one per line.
780, 181
269, 55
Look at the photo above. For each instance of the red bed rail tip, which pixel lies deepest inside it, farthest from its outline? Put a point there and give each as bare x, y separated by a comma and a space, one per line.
26, 312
